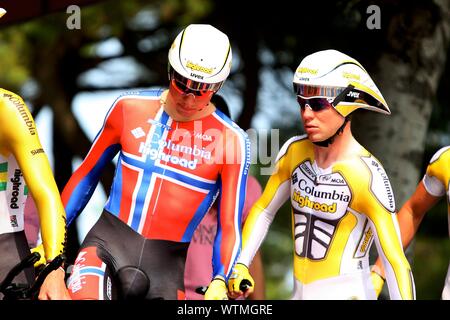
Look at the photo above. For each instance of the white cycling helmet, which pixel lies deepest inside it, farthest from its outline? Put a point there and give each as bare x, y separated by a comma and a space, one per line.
2, 12
200, 58
332, 74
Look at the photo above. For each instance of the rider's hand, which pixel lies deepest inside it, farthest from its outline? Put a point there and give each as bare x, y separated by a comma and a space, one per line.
240, 277
377, 282
39, 249
54, 286
217, 290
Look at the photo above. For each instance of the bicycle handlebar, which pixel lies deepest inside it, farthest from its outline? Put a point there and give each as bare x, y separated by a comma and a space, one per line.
243, 286
14, 291
53, 265
22, 265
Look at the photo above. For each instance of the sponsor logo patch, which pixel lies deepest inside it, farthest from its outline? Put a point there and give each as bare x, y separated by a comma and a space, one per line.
13, 220
20, 106
37, 151
196, 67
138, 132
15, 187
307, 70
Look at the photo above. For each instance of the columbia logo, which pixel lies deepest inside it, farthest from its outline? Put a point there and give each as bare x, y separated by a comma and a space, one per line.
138, 132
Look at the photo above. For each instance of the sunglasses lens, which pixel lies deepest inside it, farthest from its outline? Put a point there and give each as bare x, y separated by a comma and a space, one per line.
301, 102
187, 86
183, 89
319, 104
317, 91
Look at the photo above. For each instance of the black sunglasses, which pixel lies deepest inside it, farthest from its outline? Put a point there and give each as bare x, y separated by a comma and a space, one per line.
320, 103
183, 89
316, 104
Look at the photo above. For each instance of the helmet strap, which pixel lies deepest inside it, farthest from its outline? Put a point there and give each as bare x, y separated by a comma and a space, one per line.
327, 142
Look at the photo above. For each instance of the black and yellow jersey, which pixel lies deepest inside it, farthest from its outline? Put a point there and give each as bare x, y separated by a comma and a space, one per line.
437, 183
24, 167
337, 213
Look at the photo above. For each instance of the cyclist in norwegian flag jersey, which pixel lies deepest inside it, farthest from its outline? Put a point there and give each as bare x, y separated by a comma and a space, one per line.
176, 153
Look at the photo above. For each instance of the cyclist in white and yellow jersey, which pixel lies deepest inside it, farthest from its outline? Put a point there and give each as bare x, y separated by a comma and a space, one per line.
434, 186
24, 168
341, 198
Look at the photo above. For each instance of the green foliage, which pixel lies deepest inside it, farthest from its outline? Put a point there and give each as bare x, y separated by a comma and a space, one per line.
106, 19
13, 64
277, 253
431, 253
430, 266
184, 12
277, 249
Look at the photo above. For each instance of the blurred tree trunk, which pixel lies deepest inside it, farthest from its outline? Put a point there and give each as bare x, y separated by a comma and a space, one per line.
408, 75
248, 47
244, 35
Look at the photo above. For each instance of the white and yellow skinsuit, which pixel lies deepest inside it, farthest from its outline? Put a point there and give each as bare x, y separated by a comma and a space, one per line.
437, 183
24, 166
337, 213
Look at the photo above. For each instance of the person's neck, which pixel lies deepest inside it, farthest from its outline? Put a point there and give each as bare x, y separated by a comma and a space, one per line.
169, 106
338, 150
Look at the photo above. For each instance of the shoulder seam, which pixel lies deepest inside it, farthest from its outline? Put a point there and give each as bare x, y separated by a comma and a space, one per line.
287, 144
146, 94
439, 153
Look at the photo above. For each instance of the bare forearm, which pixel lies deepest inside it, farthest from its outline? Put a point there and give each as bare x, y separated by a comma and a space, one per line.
409, 223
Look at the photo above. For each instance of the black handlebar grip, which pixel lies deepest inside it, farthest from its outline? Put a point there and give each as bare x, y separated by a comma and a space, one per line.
53, 265
244, 285
31, 259
201, 290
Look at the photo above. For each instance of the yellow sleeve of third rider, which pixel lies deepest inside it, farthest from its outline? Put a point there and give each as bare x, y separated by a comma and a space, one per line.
439, 169
20, 137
